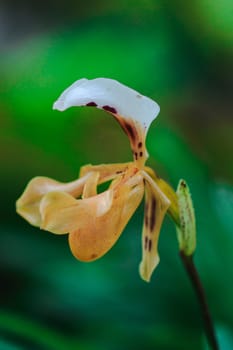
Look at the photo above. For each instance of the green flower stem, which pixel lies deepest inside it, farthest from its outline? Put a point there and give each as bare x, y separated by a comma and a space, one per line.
182, 213
199, 290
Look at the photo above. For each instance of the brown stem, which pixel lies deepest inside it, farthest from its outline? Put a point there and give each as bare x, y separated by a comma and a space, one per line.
197, 285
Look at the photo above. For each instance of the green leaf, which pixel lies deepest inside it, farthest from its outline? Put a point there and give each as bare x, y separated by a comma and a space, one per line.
224, 337
222, 202
8, 345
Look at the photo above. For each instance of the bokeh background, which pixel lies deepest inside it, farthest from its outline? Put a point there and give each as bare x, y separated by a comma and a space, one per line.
178, 53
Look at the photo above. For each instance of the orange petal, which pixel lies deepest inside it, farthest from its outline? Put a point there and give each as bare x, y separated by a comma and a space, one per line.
91, 241
94, 223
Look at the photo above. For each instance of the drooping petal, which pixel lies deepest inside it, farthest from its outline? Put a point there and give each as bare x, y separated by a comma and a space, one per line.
156, 205
94, 223
90, 242
28, 204
61, 213
133, 111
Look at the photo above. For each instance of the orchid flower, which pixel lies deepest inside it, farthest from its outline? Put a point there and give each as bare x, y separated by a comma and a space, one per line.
94, 221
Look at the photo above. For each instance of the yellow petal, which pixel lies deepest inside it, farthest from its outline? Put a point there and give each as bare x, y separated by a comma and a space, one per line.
28, 204
61, 213
94, 223
156, 205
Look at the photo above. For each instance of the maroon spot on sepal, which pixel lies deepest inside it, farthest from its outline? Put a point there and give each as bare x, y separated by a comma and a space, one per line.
139, 144
110, 109
152, 216
91, 104
130, 131
149, 245
146, 218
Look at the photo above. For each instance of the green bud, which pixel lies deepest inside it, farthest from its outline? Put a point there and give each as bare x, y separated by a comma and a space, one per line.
186, 231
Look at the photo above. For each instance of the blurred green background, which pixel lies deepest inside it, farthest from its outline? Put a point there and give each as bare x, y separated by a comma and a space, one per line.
178, 53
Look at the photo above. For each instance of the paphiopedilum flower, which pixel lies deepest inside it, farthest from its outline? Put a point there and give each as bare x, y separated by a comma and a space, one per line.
95, 221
